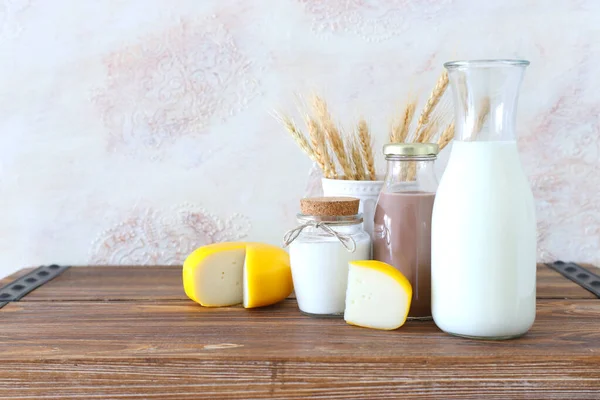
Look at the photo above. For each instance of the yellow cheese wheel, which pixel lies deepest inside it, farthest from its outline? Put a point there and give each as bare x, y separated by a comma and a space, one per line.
267, 275
225, 274
212, 275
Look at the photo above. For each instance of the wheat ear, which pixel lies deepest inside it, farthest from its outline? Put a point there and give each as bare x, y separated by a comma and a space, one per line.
432, 101
366, 149
314, 135
333, 135
319, 146
357, 160
400, 129
446, 136
428, 132
296, 134
484, 113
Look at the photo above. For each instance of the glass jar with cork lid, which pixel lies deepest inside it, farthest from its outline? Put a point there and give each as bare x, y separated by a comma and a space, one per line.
329, 235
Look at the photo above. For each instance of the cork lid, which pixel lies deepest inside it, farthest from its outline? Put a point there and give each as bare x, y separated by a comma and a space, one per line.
329, 206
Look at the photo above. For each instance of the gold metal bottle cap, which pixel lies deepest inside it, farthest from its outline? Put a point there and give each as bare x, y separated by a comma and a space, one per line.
411, 149
329, 206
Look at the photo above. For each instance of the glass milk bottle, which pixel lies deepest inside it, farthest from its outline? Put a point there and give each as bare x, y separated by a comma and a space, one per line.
483, 251
329, 235
402, 228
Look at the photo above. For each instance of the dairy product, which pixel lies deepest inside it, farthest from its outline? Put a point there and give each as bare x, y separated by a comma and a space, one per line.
402, 238
267, 275
378, 295
212, 275
484, 243
230, 273
320, 269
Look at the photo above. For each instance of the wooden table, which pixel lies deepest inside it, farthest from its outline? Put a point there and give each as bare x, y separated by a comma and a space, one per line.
130, 332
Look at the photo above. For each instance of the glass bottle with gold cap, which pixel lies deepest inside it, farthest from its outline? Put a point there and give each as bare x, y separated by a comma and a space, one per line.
402, 226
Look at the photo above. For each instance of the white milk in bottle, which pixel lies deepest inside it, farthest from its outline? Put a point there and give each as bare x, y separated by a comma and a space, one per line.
483, 223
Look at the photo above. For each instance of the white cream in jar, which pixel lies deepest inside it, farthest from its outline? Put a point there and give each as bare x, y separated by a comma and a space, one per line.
321, 246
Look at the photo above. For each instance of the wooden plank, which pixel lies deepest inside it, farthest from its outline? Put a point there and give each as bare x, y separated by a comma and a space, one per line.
102, 283
174, 329
552, 285
176, 349
195, 379
164, 283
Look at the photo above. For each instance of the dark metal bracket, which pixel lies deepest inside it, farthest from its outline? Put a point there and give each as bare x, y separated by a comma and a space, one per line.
581, 276
20, 287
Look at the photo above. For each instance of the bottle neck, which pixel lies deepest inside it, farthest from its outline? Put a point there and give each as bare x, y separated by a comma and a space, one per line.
410, 174
485, 99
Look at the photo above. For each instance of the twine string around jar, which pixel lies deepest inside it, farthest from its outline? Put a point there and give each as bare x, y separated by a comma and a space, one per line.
346, 240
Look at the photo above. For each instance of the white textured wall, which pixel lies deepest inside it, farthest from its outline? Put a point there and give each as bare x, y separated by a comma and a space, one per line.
133, 131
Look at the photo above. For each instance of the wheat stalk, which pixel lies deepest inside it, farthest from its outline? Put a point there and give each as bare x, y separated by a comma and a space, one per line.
330, 170
432, 101
428, 132
461, 83
319, 146
357, 160
446, 136
409, 114
399, 131
333, 135
314, 134
337, 145
484, 113
296, 134
366, 149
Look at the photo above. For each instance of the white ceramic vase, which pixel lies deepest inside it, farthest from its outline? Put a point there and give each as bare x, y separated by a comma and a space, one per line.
366, 191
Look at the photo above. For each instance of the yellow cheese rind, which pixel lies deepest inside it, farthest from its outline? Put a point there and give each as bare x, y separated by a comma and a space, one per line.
203, 269
378, 295
267, 275
386, 269
225, 274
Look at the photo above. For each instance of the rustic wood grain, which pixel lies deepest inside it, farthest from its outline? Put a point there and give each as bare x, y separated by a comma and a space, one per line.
177, 349
164, 283
184, 329
130, 333
102, 283
194, 379
552, 285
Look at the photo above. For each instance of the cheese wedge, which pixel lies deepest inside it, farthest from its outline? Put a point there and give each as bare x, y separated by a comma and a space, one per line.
225, 274
267, 275
212, 275
378, 295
